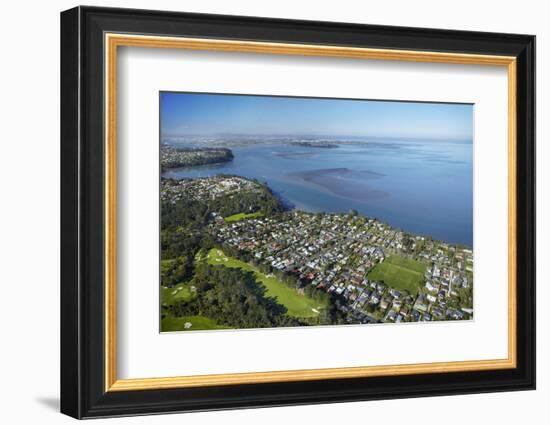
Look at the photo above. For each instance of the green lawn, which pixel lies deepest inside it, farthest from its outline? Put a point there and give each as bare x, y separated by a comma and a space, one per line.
178, 293
298, 305
400, 273
198, 323
242, 216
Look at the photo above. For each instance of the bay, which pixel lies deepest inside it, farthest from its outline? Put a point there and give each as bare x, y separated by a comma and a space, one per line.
423, 187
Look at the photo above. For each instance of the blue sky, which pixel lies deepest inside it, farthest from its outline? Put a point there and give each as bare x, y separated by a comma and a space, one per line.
184, 114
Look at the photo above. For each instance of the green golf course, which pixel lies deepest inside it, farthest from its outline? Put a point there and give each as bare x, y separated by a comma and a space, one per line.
179, 293
298, 305
194, 323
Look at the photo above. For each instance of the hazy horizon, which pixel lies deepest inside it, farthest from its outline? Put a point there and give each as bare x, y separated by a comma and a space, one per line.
315, 137
223, 115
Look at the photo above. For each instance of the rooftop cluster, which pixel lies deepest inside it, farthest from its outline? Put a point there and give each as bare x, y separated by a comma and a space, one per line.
172, 157
210, 188
337, 252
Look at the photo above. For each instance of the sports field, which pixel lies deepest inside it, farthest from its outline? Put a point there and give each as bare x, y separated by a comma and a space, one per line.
400, 273
242, 216
298, 305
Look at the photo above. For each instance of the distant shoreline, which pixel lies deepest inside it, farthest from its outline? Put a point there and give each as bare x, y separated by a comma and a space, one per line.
337, 180
323, 145
290, 207
181, 157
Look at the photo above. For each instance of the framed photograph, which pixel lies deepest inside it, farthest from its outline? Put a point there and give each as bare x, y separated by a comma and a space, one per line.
261, 212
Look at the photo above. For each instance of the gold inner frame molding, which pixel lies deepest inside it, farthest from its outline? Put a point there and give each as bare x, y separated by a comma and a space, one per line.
113, 41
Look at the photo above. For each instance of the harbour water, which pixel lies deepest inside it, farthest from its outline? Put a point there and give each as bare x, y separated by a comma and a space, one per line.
423, 187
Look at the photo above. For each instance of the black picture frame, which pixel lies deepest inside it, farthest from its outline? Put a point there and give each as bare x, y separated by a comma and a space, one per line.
83, 392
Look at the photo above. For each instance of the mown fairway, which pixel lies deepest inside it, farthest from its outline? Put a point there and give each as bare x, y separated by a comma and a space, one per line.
169, 296
400, 273
198, 323
298, 305
242, 216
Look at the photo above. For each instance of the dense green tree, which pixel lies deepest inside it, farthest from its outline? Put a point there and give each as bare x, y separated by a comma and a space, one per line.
233, 298
177, 270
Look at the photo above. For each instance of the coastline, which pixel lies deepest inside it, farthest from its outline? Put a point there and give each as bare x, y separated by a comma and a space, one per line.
326, 182
290, 207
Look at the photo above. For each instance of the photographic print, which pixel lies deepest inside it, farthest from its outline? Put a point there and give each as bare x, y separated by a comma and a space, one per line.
273, 187
283, 211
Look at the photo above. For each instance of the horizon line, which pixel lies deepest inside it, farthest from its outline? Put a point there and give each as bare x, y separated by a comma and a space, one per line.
313, 135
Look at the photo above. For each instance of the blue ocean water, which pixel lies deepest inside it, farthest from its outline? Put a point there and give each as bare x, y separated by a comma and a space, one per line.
422, 187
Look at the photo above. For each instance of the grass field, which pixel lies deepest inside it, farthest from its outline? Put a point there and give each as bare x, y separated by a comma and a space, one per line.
400, 273
242, 216
170, 295
298, 305
170, 323
198, 323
